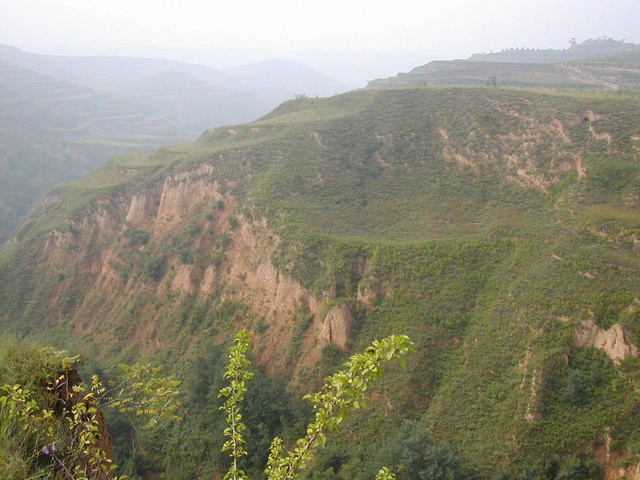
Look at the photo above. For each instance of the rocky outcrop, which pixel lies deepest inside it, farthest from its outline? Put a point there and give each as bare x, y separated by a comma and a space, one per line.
183, 192
335, 327
611, 460
230, 260
612, 341
143, 206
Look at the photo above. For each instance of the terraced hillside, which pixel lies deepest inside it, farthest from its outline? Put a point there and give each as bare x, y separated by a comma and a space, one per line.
499, 228
62, 116
620, 71
52, 130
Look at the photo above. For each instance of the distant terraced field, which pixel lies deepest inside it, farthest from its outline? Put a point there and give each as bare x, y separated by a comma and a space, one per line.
52, 130
61, 117
609, 72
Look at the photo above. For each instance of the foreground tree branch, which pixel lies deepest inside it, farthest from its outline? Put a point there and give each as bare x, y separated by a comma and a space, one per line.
342, 392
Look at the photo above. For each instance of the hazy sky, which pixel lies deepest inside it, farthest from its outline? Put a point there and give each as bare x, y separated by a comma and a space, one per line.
449, 28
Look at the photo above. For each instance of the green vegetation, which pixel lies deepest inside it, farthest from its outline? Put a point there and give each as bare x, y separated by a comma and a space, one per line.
51, 424
62, 117
491, 225
58, 430
55, 131
342, 392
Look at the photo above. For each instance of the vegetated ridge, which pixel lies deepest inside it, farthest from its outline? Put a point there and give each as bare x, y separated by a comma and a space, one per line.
593, 64
498, 228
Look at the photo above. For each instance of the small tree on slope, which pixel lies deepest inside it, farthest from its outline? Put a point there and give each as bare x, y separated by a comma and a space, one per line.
342, 392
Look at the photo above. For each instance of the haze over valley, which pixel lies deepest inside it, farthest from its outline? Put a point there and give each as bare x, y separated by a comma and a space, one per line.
64, 116
194, 237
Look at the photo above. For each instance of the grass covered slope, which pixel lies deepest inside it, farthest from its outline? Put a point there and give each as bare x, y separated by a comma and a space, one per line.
498, 228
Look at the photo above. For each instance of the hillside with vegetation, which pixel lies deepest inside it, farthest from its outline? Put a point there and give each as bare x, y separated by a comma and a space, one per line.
53, 131
498, 228
605, 71
62, 117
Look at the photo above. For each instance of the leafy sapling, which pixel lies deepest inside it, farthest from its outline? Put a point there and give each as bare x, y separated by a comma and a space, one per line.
342, 392
64, 435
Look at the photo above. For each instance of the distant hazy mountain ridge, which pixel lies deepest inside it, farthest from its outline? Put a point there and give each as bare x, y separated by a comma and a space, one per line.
61, 117
588, 48
596, 64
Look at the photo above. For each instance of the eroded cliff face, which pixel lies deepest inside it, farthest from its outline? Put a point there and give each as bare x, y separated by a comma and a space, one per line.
613, 461
613, 341
536, 155
230, 260
179, 254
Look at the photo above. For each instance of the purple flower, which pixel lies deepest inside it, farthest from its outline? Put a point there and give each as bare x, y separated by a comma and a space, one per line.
49, 450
